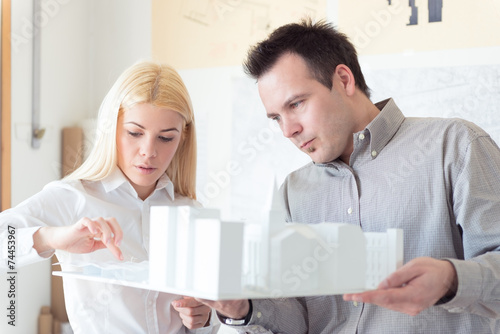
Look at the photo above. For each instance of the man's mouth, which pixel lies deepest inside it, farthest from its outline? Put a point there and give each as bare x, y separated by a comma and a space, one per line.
306, 145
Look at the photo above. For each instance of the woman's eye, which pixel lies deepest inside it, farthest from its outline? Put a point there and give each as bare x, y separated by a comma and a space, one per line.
166, 139
134, 134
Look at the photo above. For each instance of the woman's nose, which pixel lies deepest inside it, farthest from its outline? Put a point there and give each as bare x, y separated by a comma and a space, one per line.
148, 148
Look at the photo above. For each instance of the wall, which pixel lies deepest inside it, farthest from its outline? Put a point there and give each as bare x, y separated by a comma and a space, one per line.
208, 54
85, 44
120, 34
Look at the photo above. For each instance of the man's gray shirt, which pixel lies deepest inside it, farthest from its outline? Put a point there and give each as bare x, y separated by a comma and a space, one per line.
439, 181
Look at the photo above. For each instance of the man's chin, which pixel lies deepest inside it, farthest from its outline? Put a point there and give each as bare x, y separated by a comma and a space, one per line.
321, 159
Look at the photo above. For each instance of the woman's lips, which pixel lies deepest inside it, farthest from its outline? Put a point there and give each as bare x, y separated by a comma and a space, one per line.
145, 169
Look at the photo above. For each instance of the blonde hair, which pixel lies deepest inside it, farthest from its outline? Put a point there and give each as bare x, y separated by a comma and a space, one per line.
161, 86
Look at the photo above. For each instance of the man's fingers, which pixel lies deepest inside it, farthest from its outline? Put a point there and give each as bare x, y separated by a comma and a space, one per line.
208, 302
416, 286
236, 309
187, 302
195, 321
400, 277
398, 299
193, 313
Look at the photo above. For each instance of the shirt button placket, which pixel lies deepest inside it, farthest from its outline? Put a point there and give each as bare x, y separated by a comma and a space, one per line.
152, 320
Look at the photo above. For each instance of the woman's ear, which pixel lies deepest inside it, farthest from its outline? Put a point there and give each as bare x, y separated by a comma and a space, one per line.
345, 78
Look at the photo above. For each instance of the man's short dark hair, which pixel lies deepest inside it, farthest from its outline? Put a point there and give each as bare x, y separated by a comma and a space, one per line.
321, 46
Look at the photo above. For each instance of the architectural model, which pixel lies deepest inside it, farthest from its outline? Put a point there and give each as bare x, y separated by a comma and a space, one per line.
195, 253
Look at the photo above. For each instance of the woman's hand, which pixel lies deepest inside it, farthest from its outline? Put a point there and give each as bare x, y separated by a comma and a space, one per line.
193, 313
85, 236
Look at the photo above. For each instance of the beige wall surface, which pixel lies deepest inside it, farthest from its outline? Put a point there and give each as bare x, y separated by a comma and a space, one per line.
211, 33
378, 27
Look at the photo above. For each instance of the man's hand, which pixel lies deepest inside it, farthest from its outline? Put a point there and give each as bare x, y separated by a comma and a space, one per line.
417, 285
194, 314
234, 309
85, 236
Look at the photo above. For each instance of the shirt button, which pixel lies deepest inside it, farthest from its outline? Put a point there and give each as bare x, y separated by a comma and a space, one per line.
259, 314
355, 304
361, 136
374, 154
349, 211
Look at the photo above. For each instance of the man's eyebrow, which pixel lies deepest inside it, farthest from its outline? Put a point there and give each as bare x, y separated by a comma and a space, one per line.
272, 115
142, 127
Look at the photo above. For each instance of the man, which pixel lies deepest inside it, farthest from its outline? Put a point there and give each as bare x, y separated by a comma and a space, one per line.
437, 179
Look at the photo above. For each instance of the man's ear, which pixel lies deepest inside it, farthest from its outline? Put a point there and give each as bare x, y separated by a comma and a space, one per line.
344, 76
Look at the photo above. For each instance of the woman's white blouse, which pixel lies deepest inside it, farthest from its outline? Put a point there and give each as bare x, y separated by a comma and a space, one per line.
95, 307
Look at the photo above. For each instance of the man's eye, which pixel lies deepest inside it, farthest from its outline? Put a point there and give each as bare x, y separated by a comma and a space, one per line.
295, 104
276, 118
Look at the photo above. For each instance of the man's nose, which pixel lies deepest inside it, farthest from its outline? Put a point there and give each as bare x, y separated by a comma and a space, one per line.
290, 127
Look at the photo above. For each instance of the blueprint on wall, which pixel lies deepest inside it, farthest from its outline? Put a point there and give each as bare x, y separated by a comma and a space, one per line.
259, 147
468, 92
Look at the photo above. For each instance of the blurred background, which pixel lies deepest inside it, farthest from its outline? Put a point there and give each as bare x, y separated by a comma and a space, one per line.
437, 58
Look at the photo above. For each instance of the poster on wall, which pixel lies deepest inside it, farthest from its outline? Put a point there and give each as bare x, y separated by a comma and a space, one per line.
396, 26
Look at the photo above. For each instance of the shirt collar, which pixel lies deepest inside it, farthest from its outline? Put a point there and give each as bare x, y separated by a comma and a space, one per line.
383, 127
116, 179
165, 182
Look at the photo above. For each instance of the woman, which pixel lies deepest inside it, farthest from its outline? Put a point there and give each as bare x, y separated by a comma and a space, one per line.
144, 154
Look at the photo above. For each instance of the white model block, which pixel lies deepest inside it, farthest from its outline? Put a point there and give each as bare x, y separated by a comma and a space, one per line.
395, 249
184, 249
293, 267
172, 244
194, 253
384, 254
312, 259
346, 263
253, 275
218, 254
162, 238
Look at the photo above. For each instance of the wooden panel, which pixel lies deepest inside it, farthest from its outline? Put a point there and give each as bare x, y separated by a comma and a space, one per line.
72, 149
